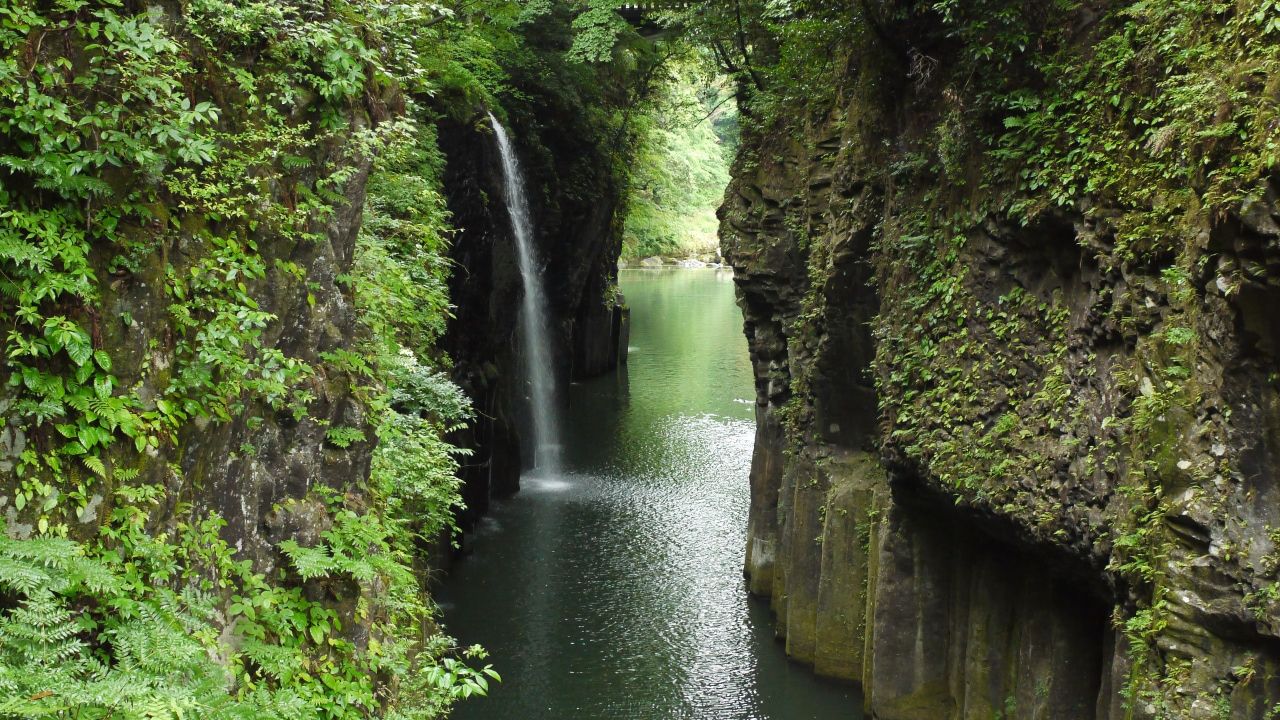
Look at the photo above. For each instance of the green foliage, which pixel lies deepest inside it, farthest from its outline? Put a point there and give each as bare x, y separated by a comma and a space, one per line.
401, 270
342, 436
402, 255
72, 607
681, 167
598, 30
781, 55
159, 671
413, 467
935, 366
114, 148
1146, 121
166, 627
996, 33
191, 151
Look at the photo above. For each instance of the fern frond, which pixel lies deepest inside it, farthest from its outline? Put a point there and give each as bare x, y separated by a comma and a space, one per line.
310, 562
22, 577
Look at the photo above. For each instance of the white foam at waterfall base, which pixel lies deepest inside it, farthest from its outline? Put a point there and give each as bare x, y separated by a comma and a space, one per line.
535, 327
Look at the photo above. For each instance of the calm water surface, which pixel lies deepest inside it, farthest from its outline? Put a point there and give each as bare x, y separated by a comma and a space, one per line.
615, 590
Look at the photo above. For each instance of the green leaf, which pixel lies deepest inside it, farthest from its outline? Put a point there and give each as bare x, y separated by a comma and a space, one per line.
94, 463
102, 386
87, 437
79, 350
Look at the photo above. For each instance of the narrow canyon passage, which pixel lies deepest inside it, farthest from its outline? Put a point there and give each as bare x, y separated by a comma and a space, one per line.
987, 414
614, 589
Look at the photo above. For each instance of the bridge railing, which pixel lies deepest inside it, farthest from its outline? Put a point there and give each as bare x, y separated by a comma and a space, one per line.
656, 5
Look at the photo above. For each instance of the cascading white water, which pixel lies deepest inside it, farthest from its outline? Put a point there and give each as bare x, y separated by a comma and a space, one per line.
535, 325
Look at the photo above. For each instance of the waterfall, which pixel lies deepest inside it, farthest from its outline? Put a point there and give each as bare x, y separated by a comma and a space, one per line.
535, 326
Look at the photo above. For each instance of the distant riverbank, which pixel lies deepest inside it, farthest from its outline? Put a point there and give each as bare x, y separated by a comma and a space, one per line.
701, 260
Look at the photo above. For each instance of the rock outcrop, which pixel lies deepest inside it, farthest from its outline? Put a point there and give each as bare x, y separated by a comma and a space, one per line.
1011, 468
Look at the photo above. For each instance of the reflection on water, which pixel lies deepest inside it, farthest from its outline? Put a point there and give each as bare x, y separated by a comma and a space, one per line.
614, 590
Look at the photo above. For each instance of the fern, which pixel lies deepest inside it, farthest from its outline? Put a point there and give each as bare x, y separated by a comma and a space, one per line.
14, 249
40, 634
41, 655
310, 562
71, 608
20, 576
342, 436
95, 465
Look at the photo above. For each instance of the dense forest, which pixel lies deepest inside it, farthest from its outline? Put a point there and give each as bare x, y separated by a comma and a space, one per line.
1010, 273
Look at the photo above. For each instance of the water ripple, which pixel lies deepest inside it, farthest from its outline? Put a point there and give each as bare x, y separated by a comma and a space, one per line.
615, 590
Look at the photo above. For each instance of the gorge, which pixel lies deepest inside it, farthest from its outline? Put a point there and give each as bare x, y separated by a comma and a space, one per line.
294, 292
614, 587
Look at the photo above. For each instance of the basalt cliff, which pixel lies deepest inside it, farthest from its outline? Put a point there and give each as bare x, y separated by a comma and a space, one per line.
1011, 281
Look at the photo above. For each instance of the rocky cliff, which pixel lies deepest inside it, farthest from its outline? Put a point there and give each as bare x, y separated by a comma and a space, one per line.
1010, 283
223, 277
575, 200
182, 213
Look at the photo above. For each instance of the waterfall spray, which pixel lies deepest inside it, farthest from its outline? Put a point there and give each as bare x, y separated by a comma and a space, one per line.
535, 327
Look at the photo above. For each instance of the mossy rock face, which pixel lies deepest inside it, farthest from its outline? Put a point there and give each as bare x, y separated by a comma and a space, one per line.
925, 704
844, 581
165, 258
1073, 401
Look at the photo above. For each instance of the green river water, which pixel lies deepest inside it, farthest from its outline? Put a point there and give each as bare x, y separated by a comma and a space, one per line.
615, 590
